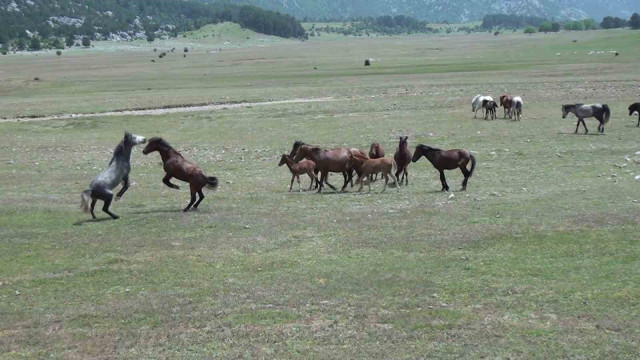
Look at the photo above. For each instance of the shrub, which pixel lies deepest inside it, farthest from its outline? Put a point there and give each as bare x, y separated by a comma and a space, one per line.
59, 53
529, 30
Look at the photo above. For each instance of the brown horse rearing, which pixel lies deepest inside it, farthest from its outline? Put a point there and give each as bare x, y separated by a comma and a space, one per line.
374, 166
176, 166
327, 161
447, 160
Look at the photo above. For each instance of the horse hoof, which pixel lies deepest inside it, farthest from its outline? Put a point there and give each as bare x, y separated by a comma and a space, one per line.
115, 217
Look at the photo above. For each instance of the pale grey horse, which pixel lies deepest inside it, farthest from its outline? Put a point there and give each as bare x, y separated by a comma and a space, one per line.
476, 103
116, 173
599, 111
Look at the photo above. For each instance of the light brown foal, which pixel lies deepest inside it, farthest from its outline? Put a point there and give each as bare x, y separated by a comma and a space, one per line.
303, 167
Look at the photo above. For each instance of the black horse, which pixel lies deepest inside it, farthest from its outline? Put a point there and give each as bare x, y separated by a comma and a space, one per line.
447, 160
635, 107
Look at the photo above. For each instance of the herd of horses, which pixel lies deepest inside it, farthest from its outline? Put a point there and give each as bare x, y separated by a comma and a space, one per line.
313, 160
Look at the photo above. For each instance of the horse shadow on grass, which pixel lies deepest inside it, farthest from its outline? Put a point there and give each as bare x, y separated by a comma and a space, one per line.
89, 221
572, 133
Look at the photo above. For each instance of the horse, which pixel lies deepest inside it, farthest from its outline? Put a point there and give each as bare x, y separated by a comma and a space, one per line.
600, 111
402, 157
476, 104
447, 160
303, 167
373, 166
375, 152
347, 173
116, 172
490, 107
516, 108
175, 166
635, 107
506, 102
336, 160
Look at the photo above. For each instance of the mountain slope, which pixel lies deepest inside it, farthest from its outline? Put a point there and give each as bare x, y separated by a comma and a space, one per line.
449, 10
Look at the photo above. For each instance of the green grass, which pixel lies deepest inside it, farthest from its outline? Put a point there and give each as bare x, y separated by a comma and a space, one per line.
538, 259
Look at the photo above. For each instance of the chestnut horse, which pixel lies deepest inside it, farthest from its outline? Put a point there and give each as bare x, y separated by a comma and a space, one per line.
635, 108
506, 102
447, 160
303, 167
327, 161
375, 152
402, 158
176, 166
374, 166
347, 174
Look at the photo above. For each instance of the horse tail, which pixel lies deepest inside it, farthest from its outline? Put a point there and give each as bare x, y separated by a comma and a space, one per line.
212, 182
394, 166
607, 113
84, 200
473, 164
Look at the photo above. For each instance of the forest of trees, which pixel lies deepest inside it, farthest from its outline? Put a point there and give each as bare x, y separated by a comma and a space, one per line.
382, 25
544, 25
66, 19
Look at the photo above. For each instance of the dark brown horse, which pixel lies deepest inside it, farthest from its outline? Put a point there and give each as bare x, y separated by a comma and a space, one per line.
447, 160
635, 107
403, 159
347, 174
375, 152
506, 102
490, 107
177, 167
327, 161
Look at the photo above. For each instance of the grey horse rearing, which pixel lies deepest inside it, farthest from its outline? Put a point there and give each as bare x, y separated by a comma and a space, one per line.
599, 111
116, 173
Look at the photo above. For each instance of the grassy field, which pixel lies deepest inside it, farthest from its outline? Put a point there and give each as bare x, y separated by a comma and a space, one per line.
538, 259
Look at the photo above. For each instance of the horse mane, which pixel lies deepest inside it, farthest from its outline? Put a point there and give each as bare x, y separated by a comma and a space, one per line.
359, 155
427, 147
117, 151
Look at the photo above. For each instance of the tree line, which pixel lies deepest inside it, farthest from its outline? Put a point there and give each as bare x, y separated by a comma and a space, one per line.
533, 24
64, 19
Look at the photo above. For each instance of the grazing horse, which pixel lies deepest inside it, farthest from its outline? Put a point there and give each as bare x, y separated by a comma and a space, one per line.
175, 166
116, 172
375, 152
599, 111
373, 166
635, 107
476, 104
516, 108
303, 167
336, 160
506, 102
490, 107
447, 160
402, 158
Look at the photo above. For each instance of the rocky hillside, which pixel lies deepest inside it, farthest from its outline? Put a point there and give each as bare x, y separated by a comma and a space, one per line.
448, 10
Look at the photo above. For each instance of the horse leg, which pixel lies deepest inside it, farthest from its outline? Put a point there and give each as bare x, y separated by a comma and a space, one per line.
298, 178
315, 172
348, 177
201, 197
577, 126
108, 197
125, 186
326, 181
405, 175
313, 178
638, 119
166, 181
193, 199
293, 176
586, 131
466, 174
445, 187
93, 205
360, 181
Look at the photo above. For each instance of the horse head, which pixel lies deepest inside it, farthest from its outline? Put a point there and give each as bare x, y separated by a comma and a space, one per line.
132, 139
283, 159
565, 110
155, 144
420, 151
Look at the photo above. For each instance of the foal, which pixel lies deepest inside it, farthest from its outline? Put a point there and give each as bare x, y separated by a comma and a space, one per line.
117, 172
447, 160
176, 166
490, 107
303, 167
372, 166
